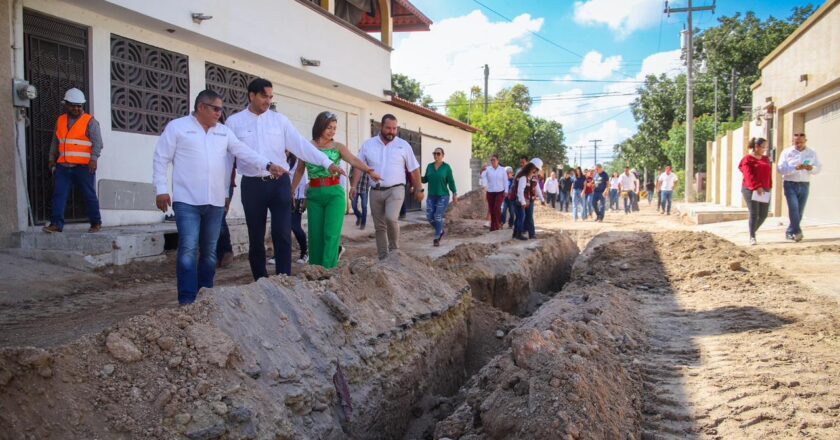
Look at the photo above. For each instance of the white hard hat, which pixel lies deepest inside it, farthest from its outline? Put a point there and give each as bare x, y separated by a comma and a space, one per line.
74, 96
538, 162
509, 169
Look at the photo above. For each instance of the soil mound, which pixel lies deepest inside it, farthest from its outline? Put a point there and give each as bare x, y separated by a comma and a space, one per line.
471, 206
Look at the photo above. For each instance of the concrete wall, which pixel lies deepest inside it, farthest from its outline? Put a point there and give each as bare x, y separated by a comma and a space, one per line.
800, 80
9, 174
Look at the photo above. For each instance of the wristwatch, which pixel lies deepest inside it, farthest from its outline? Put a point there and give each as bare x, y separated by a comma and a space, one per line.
268, 166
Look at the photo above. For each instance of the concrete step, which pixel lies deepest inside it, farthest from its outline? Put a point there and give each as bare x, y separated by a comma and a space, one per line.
704, 213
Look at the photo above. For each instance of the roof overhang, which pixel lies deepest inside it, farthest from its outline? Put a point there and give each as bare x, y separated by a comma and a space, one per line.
406, 18
429, 113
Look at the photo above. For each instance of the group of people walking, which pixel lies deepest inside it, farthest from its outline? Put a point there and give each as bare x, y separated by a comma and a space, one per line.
511, 195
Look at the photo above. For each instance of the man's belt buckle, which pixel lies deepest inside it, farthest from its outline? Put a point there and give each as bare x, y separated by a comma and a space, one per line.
267, 178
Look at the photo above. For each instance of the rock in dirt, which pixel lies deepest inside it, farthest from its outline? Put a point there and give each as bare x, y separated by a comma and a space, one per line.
736, 265
215, 346
122, 349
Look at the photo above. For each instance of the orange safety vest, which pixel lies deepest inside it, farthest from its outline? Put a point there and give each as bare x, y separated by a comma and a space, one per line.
74, 146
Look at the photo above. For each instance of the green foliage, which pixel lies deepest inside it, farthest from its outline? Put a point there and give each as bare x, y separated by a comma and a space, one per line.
704, 130
505, 131
409, 89
546, 142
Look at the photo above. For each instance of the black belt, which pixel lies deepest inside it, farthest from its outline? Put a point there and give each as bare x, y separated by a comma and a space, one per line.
385, 188
268, 178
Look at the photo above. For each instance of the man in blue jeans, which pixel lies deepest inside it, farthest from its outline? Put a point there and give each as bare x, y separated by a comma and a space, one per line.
599, 203
199, 149
796, 165
74, 151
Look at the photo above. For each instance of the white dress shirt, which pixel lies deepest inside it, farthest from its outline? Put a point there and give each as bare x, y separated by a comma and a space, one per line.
496, 179
628, 182
201, 161
389, 161
667, 181
792, 158
271, 134
551, 186
482, 179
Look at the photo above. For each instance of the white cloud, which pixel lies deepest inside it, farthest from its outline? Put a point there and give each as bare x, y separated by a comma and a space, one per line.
610, 133
668, 63
595, 66
451, 56
622, 16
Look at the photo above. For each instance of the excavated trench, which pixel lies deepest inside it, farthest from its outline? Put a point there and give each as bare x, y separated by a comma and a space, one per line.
374, 350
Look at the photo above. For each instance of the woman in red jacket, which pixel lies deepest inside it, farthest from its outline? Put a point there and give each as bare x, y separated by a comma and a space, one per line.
758, 180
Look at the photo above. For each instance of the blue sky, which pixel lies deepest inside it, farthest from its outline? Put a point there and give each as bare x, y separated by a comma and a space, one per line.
597, 41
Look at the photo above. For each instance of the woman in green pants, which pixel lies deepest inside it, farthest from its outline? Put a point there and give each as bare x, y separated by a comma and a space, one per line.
326, 200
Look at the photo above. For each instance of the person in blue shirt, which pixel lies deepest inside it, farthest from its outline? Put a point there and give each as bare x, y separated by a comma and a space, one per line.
599, 203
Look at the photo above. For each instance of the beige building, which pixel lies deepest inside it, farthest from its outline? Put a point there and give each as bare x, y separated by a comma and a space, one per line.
799, 91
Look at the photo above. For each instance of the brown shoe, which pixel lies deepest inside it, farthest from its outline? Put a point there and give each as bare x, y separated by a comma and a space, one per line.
51, 228
94, 229
227, 259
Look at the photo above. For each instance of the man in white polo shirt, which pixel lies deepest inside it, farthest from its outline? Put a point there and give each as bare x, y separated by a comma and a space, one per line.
199, 149
390, 156
271, 134
629, 184
796, 165
667, 184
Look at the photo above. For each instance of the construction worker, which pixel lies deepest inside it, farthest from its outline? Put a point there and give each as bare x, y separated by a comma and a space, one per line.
74, 152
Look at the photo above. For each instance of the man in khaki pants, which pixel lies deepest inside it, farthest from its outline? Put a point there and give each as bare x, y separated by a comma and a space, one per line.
390, 156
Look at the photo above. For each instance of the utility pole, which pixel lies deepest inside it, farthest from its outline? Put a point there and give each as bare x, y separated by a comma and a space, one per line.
486, 78
595, 143
689, 96
716, 110
732, 86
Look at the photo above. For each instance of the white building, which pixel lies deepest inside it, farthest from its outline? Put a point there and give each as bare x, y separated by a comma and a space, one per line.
142, 62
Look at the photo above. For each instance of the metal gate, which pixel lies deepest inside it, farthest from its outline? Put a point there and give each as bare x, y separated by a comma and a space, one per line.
414, 139
56, 59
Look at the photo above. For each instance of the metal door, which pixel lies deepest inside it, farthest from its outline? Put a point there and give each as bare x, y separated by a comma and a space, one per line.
414, 139
56, 59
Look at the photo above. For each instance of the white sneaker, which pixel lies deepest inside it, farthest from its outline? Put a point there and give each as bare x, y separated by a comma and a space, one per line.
752, 241
304, 259
341, 251
271, 260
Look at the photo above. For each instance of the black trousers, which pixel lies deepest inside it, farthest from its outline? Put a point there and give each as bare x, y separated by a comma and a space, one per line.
258, 198
223, 246
297, 229
758, 211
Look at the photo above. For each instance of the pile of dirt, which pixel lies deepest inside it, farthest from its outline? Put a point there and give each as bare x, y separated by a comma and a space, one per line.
252, 361
569, 373
472, 205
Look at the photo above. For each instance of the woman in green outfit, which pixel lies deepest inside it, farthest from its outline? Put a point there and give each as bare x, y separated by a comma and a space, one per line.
326, 200
439, 177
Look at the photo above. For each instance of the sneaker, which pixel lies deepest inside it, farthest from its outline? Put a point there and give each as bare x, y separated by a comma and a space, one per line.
521, 237
271, 260
303, 259
362, 226
95, 228
358, 221
51, 228
752, 241
341, 250
226, 260
798, 237
486, 224
789, 237
169, 218
436, 242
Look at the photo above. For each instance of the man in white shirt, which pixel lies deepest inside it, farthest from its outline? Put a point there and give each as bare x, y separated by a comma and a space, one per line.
667, 183
271, 134
496, 177
796, 165
390, 156
630, 184
199, 149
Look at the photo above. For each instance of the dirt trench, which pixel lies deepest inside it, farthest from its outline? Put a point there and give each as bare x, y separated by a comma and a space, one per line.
263, 360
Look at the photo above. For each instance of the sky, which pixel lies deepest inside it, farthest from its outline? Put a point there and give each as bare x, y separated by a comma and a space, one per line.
582, 60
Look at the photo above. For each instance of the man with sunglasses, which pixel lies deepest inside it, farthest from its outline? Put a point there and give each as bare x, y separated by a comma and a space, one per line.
796, 165
74, 152
199, 149
271, 134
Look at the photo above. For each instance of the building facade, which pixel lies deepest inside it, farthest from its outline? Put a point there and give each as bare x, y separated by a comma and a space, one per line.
141, 64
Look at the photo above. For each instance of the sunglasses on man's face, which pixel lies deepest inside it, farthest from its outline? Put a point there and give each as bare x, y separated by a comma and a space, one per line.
799, 135
215, 108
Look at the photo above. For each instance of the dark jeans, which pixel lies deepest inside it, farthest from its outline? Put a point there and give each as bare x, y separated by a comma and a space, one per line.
360, 212
519, 222
666, 198
587, 202
529, 220
508, 214
758, 211
628, 202
552, 199
198, 232
494, 205
258, 198
297, 228
223, 246
65, 179
599, 204
565, 201
796, 194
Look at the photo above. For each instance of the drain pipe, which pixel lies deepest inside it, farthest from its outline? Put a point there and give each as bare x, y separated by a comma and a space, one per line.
20, 113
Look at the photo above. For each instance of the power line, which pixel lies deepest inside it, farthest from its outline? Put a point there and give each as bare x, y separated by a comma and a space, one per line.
568, 80
597, 123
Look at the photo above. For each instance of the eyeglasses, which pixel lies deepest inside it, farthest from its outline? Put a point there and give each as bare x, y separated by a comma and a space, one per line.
215, 108
437, 153
799, 135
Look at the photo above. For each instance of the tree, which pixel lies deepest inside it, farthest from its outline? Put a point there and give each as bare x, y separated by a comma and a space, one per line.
505, 132
409, 89
546, 142
704, 129
458, 105
517, 96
